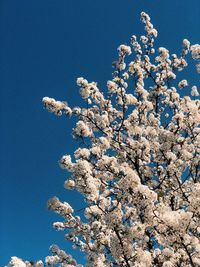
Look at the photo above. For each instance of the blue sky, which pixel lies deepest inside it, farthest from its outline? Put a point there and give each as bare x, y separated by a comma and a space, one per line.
45, 45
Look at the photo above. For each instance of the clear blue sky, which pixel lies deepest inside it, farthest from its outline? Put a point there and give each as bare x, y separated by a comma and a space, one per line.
45, 45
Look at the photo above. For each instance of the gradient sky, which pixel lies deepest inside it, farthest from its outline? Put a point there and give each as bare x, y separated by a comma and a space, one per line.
45, 45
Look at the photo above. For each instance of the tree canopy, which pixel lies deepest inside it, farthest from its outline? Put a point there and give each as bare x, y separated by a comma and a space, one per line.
138, 165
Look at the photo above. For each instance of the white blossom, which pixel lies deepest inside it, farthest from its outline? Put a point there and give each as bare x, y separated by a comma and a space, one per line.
82, 129
69, 184
186, 44
183, 84
82, 82
54, 106
194, 91
164, 52
16, 262
66, 162
112, 86
124, 49
130, 99
195, 49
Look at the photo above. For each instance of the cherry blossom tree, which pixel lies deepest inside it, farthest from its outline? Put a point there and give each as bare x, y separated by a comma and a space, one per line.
138, 167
